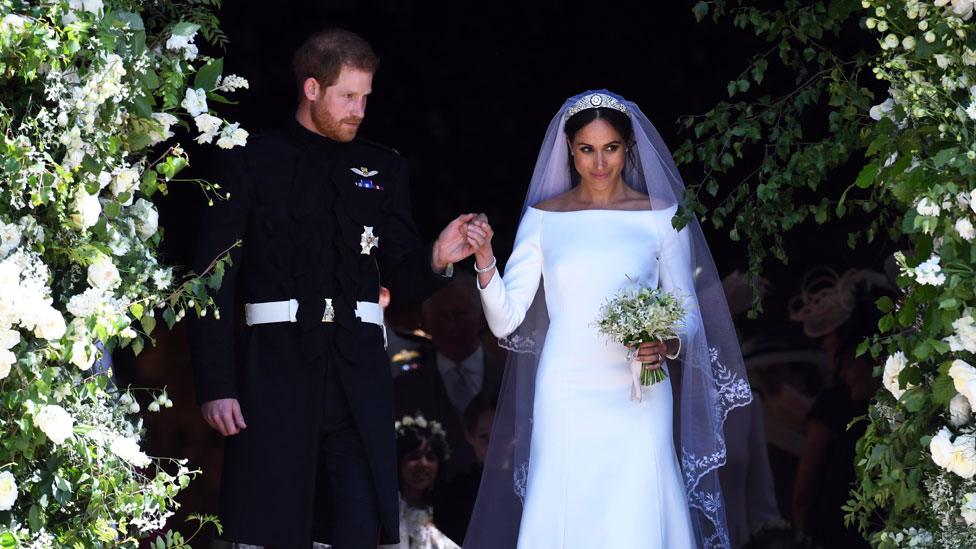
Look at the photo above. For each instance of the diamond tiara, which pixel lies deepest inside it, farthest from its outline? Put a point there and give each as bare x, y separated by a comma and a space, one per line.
594, 101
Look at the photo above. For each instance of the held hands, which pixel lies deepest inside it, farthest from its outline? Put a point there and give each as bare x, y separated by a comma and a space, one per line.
653, 354
466, 235
224, 415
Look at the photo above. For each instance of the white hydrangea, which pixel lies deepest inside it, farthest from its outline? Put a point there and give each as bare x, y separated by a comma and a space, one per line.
127, 449
232, 83
9, 238
8, 490
146, 218
892, 369
927, 207
232, 136
55, 422
965, 229
930, 272
87, 303
103, 274
195, 101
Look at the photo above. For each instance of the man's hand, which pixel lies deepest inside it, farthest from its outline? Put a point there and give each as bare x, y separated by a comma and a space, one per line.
452, 245
224, 415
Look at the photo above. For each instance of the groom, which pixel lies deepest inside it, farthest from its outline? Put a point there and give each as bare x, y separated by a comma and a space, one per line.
303, 393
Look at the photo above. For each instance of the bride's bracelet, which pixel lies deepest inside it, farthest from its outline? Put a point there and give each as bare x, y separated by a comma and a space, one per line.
491, 265
676, 353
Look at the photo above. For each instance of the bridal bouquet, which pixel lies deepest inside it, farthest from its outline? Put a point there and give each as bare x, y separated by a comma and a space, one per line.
642, 315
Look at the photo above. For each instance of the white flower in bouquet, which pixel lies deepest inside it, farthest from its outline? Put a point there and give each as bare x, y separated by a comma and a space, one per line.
9, 338
964, 338
127, 449
232, 83
184, 43
960, 411
964, 379
232, 136
892, 369
195, 101
941, 447
80, 356
963, 459
146, 218
166, 121
882, 109
7, 360
8, 490
87, 303
9, 238
86, 208
162, 278
642, 315
930, 272
965, 229
968, 509
103, 274
50, 324
55, 422
962, 8
126, 180
927, 207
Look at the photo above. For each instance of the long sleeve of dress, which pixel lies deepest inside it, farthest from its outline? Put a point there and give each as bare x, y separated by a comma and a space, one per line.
676, 276
507, 298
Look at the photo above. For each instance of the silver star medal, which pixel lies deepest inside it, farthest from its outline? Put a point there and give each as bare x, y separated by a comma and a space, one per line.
369, 240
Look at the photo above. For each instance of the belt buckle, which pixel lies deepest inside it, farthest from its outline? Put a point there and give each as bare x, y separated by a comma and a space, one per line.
329, 314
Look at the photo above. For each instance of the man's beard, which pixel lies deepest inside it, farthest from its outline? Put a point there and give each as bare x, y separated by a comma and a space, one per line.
332, 128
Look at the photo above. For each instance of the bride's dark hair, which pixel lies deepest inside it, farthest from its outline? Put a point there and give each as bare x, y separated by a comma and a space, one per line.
618, 120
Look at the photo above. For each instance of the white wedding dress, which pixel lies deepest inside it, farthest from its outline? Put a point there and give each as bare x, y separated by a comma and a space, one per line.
602, 468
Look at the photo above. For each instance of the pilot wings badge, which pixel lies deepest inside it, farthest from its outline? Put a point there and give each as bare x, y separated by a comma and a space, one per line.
366, 182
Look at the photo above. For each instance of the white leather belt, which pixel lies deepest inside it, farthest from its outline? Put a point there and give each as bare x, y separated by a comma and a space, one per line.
286, 311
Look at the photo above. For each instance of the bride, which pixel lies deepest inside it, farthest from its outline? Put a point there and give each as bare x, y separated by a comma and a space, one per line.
574, 461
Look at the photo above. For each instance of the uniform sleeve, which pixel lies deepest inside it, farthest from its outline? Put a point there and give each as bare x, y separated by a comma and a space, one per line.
221, 225
675, 267
507, 298
404, 259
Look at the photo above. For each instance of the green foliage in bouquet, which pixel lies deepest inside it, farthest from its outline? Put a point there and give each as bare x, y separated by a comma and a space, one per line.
90, 93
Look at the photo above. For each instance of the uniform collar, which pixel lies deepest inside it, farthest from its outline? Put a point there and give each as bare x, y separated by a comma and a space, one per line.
311, 141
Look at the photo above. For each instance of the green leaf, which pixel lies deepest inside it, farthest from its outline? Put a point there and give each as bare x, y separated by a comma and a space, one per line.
136, 309
885, 304
943, 157
914, 400
208, 74
184, 28
943, 389
148, 186
148, 322
700, 10
866, 178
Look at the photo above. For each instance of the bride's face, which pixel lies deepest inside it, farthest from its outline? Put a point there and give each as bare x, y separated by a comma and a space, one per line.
598, 153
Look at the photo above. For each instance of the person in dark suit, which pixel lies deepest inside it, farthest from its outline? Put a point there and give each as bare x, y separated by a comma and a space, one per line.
304, 394
461, 367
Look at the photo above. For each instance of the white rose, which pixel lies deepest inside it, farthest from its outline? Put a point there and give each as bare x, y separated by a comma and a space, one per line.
195, 101
9, 338
80, 356
965, 229
969, 509
125, 181
127, 449
964, 338
7, 360
55, 422
9, 238
959, 410
50, 324
927, 207
892, 369
146, 217
941, 447
964, 379
963, 459
8, 490
103, 274
87, 208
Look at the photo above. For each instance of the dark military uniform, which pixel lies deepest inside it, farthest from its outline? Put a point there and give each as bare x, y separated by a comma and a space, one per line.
317, 458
